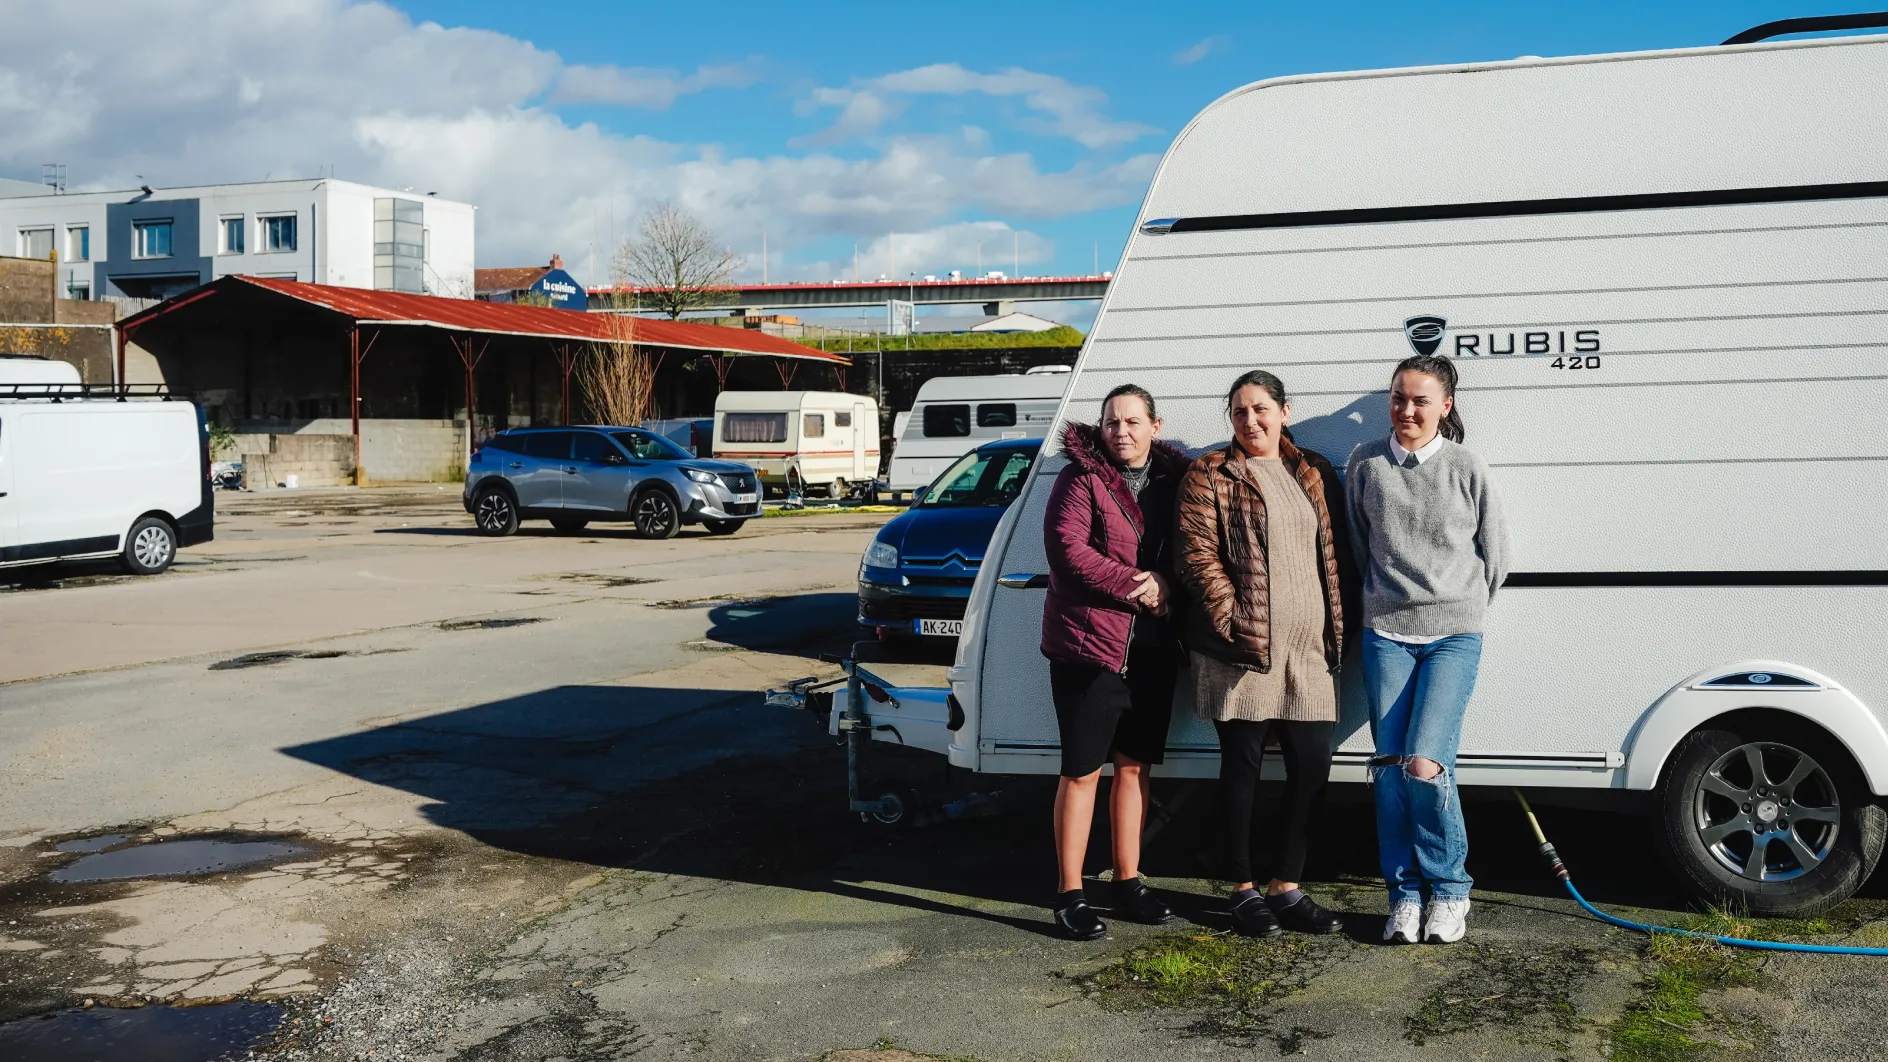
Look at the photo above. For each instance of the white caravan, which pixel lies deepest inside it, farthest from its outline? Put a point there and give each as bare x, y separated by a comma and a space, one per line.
1664, 279
85, 473
828, 440
953, 415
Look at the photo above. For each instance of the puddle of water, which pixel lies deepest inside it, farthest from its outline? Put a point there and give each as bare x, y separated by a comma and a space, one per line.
606, 581
489, 624
149, 1034
92, 844
170, 859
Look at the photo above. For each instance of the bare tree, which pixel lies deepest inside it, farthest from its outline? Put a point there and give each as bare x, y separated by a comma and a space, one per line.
676, 259
618, 378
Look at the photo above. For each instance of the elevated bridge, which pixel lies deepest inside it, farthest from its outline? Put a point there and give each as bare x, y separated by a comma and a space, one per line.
997, 296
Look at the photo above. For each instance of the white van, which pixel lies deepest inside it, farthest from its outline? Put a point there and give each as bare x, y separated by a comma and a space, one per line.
953, 415
1664, 279
827, 439
87, 473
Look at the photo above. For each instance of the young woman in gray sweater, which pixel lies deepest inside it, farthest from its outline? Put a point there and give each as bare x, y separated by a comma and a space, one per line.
1433, 548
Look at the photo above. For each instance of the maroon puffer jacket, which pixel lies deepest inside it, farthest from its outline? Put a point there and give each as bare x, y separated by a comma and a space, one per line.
1097, 538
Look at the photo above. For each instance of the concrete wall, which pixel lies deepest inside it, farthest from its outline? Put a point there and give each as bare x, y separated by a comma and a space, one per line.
322, 452
314, 460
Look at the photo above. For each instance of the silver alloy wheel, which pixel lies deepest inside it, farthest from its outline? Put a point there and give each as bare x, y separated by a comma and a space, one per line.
655, 514
494, 510
152, 547
1767, 811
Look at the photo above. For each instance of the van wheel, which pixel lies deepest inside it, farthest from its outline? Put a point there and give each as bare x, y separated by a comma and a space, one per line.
569, 524
150, 547
655, 515
723, 527
1776, 823
494, 513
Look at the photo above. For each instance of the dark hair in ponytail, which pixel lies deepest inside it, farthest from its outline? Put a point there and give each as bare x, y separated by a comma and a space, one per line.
1443, 370
1266, 382
1135, 390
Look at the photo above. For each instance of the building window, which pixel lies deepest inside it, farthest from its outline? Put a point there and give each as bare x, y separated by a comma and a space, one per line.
278, 233
81, 292
231, 235
151, 239
78, 243
35, 243
400, 245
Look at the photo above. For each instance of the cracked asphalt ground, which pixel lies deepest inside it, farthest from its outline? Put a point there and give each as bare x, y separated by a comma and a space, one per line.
543, 814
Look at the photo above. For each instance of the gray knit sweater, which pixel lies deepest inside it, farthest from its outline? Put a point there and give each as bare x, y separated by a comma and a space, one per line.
1431, 541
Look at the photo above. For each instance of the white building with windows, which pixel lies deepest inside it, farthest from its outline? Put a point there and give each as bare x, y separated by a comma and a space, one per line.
152, 243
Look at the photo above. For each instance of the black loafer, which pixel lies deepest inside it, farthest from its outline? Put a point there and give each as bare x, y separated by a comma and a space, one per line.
1078, 921
1134, 901
1306, 916
1252, 918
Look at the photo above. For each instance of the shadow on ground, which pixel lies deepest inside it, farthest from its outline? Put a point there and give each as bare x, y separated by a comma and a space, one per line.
711, 783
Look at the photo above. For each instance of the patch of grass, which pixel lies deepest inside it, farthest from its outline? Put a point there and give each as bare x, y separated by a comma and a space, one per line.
1230, 978
1663, 1023
1504, 987
1059, 336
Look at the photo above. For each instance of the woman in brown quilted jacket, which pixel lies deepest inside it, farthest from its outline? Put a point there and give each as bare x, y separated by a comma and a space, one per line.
1262, 543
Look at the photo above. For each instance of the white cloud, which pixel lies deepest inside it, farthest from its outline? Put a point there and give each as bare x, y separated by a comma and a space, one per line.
1189, 56
653, 89
1073, 111
304, 85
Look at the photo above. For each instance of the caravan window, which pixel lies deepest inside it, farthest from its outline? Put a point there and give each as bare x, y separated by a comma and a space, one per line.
842, 420
755, 428
944, 422
997, 415
814, 426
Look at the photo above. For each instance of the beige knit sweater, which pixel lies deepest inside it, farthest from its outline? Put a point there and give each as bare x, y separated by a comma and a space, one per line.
1300, 687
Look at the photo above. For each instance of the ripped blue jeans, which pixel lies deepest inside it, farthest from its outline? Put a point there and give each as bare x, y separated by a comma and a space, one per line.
1418, 695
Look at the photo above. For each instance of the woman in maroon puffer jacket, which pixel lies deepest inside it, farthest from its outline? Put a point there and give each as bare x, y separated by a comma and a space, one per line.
1112, 653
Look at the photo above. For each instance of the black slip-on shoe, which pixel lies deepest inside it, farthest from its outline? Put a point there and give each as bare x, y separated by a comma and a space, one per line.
1134, 901
1078, 921
1252, 918
1305, 916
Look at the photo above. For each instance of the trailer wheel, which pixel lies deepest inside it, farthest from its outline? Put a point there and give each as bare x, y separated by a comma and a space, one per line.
898, 803
1769, 819
150, 546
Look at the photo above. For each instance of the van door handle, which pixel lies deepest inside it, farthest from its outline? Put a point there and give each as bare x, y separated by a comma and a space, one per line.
569, 470
517, 464
1023, 581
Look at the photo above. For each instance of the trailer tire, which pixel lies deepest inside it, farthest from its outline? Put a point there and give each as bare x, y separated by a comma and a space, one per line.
150, 546
1725, 823
900, 803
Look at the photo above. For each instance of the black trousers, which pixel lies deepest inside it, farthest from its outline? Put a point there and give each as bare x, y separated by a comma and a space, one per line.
1282, 837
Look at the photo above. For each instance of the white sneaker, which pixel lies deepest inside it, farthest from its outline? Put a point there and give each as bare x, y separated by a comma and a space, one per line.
1405, 923
1446, 921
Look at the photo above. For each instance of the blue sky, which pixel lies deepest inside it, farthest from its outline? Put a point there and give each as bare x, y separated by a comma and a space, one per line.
825, 125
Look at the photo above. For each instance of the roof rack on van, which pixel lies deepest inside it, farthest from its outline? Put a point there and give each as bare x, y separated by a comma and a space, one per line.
59, 392
1812, 24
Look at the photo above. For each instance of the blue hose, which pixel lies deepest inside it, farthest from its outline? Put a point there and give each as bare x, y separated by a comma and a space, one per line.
1560, 872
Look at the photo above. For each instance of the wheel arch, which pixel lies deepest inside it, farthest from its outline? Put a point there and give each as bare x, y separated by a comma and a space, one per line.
1699, 701
176, 529
664, 486
499, 483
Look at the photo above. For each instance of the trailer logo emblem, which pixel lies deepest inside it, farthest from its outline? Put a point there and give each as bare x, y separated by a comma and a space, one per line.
1424, 333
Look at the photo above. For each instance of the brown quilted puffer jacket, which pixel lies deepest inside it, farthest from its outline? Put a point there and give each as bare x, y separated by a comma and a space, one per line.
1221, 559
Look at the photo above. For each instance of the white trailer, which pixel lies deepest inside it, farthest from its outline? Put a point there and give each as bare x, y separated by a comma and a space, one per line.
826, 440
94, 472
1664, 279
953, 415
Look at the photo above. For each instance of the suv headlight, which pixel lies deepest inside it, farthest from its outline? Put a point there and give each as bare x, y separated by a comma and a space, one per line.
699, 476
881, 555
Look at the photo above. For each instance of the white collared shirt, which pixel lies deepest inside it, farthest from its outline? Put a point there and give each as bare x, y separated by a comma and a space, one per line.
1400, 455
1423, 453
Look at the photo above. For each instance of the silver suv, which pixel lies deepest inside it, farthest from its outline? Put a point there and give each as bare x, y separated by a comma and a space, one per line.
571, 476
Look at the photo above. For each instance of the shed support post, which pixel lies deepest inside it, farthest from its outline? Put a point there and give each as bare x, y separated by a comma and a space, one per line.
118, 335
722, 363
354, 398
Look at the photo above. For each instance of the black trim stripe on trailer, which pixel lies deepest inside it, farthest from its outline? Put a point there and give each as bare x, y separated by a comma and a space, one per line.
1537, 580
1511, 208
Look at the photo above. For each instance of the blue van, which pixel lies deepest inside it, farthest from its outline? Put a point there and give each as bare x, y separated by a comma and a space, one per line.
915, 578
